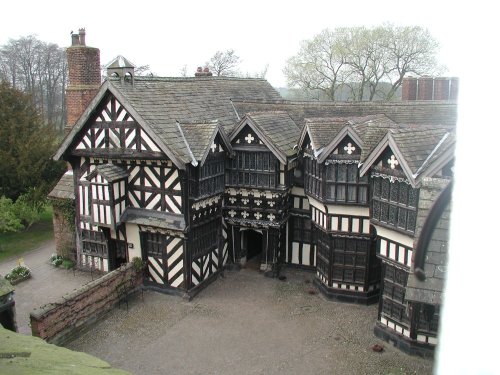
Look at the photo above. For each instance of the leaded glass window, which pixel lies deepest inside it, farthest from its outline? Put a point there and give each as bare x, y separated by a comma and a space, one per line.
94, 242
394, 203
256, 169
154, 244
212, 175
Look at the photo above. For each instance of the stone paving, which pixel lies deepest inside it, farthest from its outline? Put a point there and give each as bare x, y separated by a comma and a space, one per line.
246, 323
47, 283
242, 323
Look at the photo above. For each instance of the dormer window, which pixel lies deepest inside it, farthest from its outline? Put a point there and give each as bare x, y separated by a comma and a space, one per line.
336, 182
253, 169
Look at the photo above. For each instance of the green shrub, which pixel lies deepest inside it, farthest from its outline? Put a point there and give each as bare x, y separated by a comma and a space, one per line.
27, 211
9, 222
68, 264
139, 265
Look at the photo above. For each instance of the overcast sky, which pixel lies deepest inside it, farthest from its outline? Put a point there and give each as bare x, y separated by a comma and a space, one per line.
168, 35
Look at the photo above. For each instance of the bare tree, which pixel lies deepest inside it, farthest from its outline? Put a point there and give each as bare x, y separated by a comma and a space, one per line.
40, 70
224, 63
367, 63
410, 49
183, 71
320, 64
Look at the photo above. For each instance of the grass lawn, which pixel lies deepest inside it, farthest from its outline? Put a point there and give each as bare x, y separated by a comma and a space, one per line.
13, 244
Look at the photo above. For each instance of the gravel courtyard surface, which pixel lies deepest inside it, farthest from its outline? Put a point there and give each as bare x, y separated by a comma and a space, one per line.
246, 323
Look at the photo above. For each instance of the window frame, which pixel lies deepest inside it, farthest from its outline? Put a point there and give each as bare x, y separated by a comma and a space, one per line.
390, 211
256, 169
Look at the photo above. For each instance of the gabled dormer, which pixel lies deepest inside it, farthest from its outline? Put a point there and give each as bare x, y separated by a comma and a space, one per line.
264, 145
397, 165
411, 153
346, 145
208, 148
332, 150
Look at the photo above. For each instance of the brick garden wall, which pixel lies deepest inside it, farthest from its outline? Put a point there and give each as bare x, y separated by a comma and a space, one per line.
64, 235
63, 320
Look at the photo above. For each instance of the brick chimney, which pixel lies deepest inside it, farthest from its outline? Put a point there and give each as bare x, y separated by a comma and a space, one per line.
203, 72
84, 66
425, 88
409, 91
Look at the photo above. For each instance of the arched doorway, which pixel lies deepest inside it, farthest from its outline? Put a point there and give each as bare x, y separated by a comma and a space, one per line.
252, 245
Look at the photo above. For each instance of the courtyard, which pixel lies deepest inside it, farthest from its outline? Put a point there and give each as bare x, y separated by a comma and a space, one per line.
249, 324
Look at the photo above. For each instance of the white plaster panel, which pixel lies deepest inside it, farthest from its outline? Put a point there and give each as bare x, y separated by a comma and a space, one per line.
295, 252
392, 250
355, 225
345, 224
394, 236
383, 247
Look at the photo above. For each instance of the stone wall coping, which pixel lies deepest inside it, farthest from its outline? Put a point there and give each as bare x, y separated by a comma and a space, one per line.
46, 309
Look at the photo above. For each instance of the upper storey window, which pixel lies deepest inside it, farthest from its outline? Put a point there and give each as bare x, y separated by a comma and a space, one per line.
253, 169
344, 185
394, 203
336, 182
212, 175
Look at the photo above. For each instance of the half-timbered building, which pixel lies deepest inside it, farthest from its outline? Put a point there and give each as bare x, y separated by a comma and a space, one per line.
191, 174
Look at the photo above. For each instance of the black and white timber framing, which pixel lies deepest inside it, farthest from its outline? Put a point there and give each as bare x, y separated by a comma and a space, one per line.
172, 170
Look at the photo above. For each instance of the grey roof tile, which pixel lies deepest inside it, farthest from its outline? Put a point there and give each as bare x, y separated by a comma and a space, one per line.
279, 128
161, 102
158, 219
419, 142
65, 188
198, 137
402, 112
110, 172
431, 289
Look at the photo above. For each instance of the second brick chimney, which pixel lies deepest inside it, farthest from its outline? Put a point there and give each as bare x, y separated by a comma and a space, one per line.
203, 72
84, 67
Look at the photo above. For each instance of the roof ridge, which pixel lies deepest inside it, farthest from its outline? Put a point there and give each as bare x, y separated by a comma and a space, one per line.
211, 78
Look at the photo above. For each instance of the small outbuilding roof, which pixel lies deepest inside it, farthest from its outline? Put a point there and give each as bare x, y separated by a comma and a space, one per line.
152, 218
65, 187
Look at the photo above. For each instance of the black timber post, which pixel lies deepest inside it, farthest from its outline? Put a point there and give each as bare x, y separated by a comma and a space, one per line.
186, 207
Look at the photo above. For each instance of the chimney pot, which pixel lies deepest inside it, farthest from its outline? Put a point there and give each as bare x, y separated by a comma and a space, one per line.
82, 36
75, 39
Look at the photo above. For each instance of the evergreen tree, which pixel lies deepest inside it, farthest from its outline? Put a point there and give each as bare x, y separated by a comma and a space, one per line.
26, 147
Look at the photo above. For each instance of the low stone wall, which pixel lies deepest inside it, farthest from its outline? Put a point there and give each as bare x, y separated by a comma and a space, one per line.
63, 320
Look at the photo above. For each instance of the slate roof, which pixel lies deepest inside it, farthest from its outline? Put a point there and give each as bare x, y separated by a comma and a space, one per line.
120, 62
323, 130
430, 290
110, 172
199, 137
401, 112
163, 101
159, 103
65, 188
372, 132
418, 143
279, 128
158, 219
422, 150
